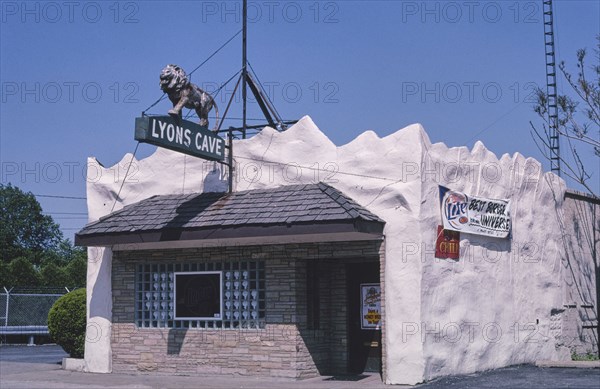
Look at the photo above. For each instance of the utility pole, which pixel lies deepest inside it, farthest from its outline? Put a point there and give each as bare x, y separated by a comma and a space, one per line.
244, 64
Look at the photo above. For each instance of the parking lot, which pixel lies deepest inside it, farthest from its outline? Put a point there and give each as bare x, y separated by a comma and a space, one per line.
23, 367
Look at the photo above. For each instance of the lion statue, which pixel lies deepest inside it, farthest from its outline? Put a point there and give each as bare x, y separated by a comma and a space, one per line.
182, 93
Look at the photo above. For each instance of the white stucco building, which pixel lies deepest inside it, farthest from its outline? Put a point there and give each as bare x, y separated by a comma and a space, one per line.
370, 219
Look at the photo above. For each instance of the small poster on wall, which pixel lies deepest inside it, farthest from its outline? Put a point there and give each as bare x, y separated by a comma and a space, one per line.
447, 244
370, 306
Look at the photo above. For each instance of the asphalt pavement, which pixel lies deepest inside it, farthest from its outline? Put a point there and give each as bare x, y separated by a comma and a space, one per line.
522, 376
24, 367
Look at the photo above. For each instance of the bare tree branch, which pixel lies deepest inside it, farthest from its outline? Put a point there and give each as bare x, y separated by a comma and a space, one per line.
578, 120
577, 173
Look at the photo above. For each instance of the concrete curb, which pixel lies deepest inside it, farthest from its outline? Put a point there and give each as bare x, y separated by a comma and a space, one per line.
73, 364
571, 364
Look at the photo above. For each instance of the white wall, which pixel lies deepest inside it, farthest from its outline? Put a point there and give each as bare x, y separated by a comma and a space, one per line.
394, 177
492, 307
581, 269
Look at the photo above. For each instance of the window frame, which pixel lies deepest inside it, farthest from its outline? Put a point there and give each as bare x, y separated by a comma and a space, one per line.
209, 318
154, 294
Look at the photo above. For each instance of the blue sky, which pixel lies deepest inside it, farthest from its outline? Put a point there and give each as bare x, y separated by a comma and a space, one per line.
74, 75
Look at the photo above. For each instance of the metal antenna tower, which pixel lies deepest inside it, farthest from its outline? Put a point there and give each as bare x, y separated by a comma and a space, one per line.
244, 65
248, 81
551, 92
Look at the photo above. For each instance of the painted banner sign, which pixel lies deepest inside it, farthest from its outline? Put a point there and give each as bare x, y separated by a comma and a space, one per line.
180, 135
447, 244
475, 215
370, 306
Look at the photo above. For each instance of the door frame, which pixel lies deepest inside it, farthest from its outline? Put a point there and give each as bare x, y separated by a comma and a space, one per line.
365, 351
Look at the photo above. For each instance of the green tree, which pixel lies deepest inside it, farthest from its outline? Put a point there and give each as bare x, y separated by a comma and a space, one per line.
53, 275
76, 272
24, 230
5, 276
22, 273
68, 252
64, 253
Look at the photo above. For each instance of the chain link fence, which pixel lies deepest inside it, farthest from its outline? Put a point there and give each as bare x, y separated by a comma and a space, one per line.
24, 311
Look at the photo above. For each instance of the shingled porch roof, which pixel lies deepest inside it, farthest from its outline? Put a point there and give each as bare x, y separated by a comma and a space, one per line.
308, 209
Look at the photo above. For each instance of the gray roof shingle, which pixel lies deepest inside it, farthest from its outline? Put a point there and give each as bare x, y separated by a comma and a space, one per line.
306, 203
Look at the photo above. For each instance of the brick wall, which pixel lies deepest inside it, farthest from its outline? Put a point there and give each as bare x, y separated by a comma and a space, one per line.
286, 347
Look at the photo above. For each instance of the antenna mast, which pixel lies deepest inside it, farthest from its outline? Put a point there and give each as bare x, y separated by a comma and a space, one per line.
248, 80
244, 65
551, 92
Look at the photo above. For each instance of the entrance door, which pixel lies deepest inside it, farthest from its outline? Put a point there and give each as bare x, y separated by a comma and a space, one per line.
364, 337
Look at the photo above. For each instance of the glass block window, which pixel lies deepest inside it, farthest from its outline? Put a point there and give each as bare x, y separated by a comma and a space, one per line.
243, 295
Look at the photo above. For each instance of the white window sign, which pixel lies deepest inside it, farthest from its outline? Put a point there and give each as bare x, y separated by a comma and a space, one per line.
370, 306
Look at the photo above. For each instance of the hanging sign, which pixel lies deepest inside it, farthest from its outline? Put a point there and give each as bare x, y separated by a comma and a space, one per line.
180, 135
447, 244
474, 215
370, 306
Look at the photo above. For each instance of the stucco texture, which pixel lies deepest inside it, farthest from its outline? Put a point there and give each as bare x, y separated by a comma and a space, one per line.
488, 309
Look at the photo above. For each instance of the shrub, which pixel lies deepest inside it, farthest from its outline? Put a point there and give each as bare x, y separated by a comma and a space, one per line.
588, 356
66, 322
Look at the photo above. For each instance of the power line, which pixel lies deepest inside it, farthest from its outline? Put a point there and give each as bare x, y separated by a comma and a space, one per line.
494, 122
196, 68
60, 197
125, 179
192, 116
216, 51
322, 170
215, 94
64, 213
